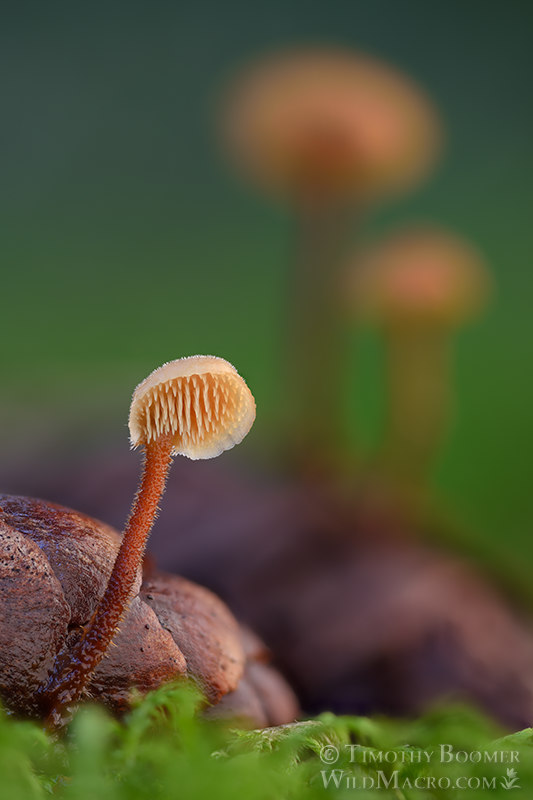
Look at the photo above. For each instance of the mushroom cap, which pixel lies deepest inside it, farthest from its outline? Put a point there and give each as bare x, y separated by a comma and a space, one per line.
201, 401
421, 274
330, 121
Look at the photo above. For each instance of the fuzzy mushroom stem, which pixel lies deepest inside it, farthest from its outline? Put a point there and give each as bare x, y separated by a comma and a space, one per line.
73, 669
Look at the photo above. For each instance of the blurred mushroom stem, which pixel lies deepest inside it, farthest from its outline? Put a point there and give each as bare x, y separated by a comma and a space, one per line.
315, 349
74, 667
420, 399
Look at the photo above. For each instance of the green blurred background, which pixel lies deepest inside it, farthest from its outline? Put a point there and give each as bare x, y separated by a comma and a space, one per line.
127, 241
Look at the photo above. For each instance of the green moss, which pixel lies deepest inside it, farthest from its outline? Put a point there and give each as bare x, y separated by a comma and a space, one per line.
164, 749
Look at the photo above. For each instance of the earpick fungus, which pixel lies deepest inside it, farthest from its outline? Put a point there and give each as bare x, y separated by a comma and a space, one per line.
197, 407
419, 285
329, 131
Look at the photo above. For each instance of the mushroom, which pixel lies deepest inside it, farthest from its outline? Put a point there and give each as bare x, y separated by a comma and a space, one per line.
330, 131
316, 124
418, 285
197, 407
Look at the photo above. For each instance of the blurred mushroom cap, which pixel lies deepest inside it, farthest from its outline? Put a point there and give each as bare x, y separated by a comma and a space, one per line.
200, 401
328, 122
420, 274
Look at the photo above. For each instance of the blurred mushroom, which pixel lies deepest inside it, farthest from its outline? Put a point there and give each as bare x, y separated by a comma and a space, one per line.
316, 124
329, 130
418, 286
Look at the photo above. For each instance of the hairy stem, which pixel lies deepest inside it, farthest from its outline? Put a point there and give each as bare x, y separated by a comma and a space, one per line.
74, 668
